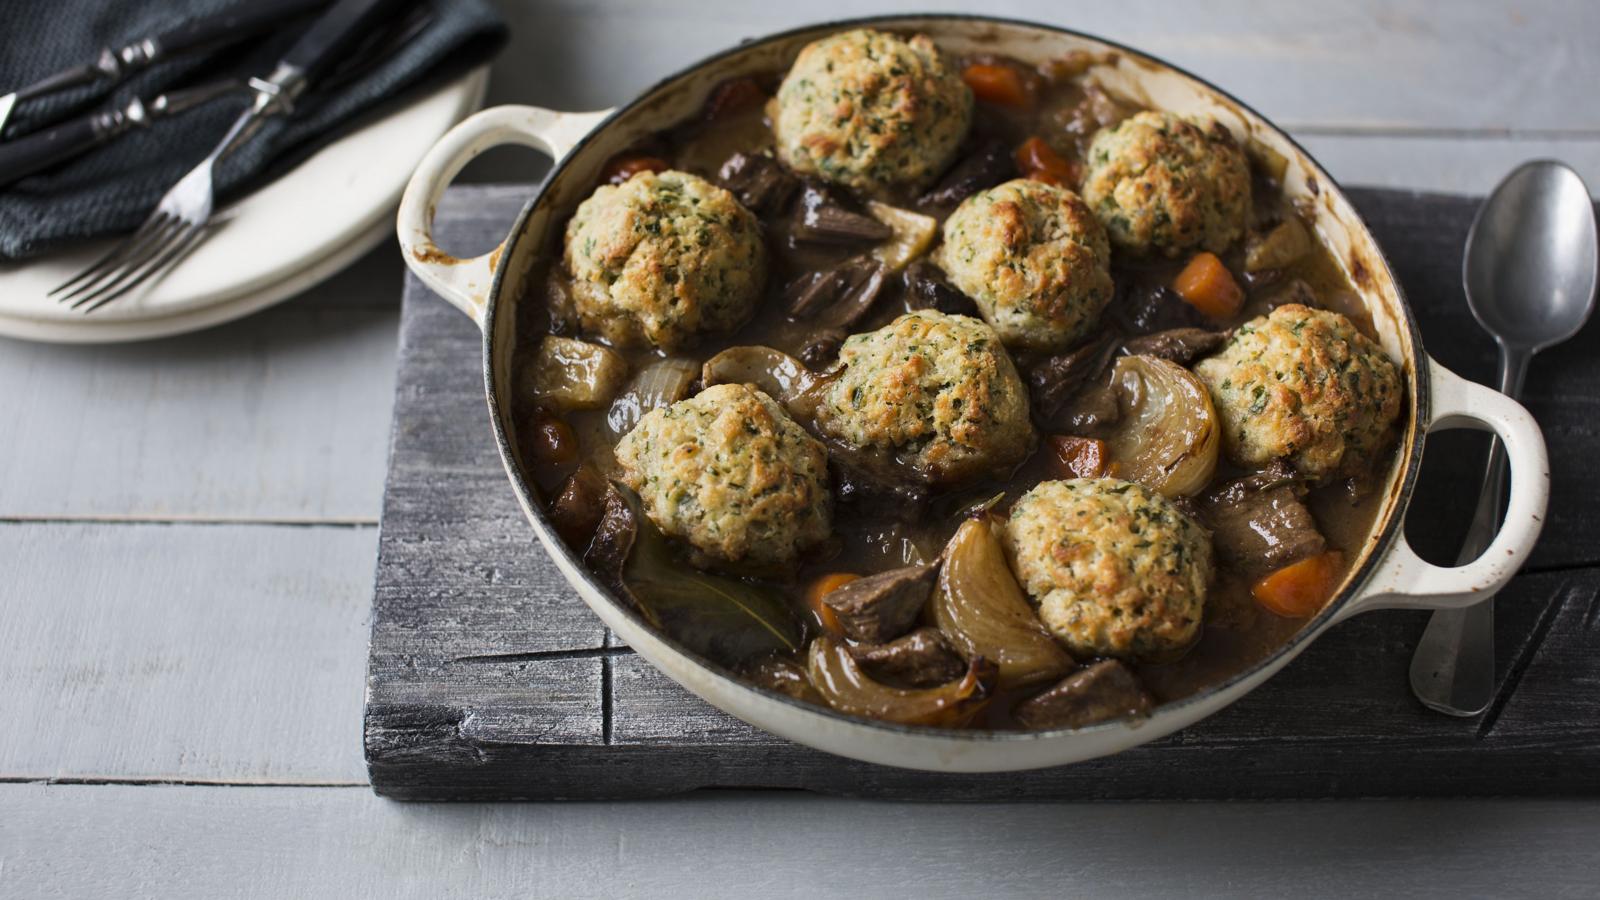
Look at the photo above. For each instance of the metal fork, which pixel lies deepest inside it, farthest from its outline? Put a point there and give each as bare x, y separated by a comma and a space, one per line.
181, 218
184, 214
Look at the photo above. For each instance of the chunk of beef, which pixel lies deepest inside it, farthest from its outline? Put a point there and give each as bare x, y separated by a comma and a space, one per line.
927, 288
1056, 380
986, 166
923, 658
884, 606
776, 673
577, 509
822, 348
868, 480
1146, 307
1180, 345
1296, 291
1104, 691
1259, 523
760, 182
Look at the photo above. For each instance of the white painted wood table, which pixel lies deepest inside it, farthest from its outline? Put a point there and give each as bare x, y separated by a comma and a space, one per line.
187, 534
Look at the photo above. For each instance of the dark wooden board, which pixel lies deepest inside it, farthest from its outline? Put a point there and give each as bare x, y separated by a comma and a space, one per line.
489, 678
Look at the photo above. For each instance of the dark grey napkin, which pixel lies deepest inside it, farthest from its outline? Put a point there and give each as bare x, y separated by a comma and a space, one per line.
112, 188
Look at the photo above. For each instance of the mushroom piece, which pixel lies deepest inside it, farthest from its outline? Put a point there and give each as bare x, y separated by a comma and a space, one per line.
837, 296
1104, 691
882, 607
923, 658
779, 375
1167, 436
980, 607
1179, 345
840, 680
823, 218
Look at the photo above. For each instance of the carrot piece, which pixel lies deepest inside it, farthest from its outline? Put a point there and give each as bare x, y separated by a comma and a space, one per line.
820, 589
621, 168
1037, 160
733, 96
1077, 457
1209, 287
999, 84
1300, 589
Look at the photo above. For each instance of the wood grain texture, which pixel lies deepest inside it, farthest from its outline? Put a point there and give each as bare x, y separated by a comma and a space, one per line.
74, 841
182, 652
460, 579
280, 417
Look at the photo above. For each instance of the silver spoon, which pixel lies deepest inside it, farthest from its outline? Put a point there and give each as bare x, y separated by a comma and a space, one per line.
1529, 274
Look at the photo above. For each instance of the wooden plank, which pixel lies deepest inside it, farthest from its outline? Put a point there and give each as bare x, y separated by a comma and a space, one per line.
281, 417
183, 652
459, 579
1376, 64
76, 841
476, 640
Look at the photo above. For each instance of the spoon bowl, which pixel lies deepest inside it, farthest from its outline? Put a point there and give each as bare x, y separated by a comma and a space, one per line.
1532, 257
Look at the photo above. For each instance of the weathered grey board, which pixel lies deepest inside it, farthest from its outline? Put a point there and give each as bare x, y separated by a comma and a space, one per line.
488, 678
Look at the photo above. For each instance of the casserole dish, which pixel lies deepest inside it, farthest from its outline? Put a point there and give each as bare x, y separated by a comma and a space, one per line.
1386, 573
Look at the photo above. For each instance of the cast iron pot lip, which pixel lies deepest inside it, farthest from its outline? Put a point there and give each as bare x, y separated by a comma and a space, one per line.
1313, 628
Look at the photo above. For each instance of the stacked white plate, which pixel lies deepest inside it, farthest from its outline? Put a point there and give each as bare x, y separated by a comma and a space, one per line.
277, 242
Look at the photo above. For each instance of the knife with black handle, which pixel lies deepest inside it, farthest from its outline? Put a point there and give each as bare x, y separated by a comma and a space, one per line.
55, 144
246, 20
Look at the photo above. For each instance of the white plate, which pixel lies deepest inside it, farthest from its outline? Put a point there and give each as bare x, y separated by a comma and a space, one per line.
278, 241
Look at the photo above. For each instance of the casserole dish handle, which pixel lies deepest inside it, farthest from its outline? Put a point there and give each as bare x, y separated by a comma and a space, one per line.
1403, 579
466, 282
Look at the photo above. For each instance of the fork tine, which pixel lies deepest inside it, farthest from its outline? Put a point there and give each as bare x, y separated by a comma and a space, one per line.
176, 251
132, 266
134, 253
114, 255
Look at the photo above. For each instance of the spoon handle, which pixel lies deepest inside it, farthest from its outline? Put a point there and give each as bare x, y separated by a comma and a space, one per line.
1453, 670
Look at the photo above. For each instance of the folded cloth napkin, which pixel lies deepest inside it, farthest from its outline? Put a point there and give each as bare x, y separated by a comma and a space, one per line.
114, 187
